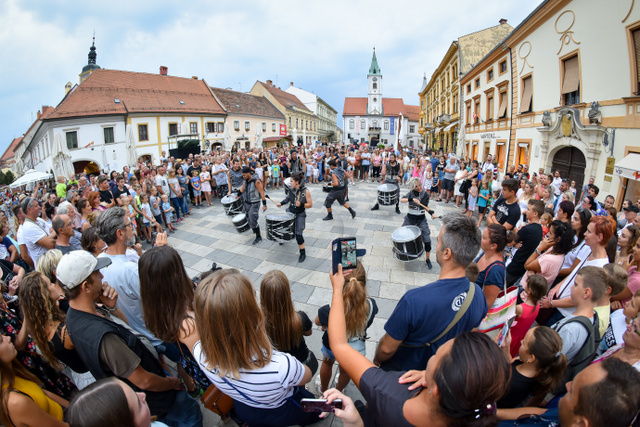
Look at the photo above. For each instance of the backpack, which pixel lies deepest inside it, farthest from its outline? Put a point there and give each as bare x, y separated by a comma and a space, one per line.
588, 350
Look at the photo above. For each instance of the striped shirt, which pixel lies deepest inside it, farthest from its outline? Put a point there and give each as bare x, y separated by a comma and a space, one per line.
266, 387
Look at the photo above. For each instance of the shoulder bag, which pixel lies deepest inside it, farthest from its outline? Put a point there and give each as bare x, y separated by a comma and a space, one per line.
503, 308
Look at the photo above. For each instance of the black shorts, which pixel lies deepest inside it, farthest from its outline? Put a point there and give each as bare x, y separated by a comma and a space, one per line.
333, 196
364, 168
447, 184
481, 209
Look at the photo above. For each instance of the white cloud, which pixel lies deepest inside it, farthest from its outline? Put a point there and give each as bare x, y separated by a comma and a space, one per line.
324, 47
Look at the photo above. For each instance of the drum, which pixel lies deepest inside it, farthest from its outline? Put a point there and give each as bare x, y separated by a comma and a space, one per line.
407, 243
232, 205
387, 194
327, 188
280, 226
241, 222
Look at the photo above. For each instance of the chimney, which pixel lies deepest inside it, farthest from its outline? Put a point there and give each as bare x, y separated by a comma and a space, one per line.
269, 83
67, 88
164, 70
39, 114
194, 77
503, 21
291, 83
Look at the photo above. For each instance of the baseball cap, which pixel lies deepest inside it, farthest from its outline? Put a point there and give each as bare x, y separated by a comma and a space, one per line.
76, 266
246, 169
632, 208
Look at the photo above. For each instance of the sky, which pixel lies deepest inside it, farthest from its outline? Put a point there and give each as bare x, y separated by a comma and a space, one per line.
324, 47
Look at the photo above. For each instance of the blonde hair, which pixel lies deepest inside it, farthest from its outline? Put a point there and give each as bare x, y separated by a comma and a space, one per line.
283, 324
356, 303
231, 324
48, 262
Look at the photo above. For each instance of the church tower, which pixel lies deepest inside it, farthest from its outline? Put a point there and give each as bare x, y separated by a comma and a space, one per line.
91, 64
374, 104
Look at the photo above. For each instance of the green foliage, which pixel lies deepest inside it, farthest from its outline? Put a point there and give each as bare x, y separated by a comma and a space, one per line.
381, 146
3, 178
186, 143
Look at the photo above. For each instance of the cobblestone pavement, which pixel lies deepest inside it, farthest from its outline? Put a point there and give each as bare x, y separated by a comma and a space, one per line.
209, 236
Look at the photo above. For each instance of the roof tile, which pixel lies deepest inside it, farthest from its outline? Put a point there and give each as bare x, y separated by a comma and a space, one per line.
287, 99
246, 103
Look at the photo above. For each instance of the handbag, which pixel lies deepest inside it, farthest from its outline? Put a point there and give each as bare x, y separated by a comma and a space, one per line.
503, 308
216, 401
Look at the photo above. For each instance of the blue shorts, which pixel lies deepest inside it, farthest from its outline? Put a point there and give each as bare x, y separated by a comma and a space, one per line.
197, 193
358, 345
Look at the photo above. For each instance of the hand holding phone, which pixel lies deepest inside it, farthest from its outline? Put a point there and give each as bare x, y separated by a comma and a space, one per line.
320, 405
505, 331
344, 251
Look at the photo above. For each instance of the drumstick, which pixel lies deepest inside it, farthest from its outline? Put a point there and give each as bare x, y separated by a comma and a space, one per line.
267, 197
427, 209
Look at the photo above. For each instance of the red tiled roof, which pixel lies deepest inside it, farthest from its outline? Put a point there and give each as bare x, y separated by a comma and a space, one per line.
285, 98
137, 92
390, 107
10, 153
246, 103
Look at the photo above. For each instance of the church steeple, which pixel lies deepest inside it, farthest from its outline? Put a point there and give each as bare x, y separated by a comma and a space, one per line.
91, 63
374, 70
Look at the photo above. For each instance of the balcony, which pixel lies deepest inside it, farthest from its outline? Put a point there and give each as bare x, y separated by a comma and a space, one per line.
375, 128
444, 118
429, 126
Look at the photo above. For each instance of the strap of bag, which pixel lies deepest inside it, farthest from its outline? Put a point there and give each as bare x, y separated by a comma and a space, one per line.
571, 277
459, 314
487, 273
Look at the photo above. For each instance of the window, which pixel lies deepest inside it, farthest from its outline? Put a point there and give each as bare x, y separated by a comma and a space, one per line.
247, 126
469, 113
502, 110
143, 133
72, 140
455, 103
264, 126
297, 124
375, 86
527, 95
477, 111
477, 82
421, 122
211, 127
352, 124
636, 49
490, 75
500, 155
422, 104
490, 107
273, 127
173, 129
571, 81
193, 127
412, 129
289, 121
236, 125
108, 135
374, 124
523, 154
454, 73
363, 124
469, 88
503, 67
220, 127
386, 125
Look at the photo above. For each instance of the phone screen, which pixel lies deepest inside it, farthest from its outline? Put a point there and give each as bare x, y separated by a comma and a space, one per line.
320, 405
348, 249
505, 331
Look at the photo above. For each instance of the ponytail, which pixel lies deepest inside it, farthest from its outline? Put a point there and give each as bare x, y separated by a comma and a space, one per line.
546, 346
356, 304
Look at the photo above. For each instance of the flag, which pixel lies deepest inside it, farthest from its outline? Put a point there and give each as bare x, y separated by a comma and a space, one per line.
89, 144
475, 116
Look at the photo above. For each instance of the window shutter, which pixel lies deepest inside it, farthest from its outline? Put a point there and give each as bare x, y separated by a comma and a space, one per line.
503, 107
571, 81
636, 41
525, 104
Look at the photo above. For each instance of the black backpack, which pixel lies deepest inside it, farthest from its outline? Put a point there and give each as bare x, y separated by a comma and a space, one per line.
588, 350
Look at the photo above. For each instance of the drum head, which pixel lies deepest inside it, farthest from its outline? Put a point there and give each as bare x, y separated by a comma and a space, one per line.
387, 188
227, 200
408, 233
285, 216
237, 219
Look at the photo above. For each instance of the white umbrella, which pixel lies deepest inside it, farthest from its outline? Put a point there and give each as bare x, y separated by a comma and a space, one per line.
259, 137
227, 139
31, 176
304, 137
105, 165
62, 164
295, 137
132, 153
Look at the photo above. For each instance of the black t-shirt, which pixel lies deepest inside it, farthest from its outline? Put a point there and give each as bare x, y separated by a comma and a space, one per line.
300, 351
323, 316
530, 236
385, 398
106, 196
506, 213
7, 271
117, 193
191, 169
520, 388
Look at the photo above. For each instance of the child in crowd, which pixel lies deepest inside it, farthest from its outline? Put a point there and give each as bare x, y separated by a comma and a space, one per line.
473, 196
148, 220
168, 209
616, 283
127, 204
135, 204
483, 200
309, 171
276, 174
472, 272
510, 249
526, 313
545, 220
618, 322
197, 188
205, 184
154, 203
316, 173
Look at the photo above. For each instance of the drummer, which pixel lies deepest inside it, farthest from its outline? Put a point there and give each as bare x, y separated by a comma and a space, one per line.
300, 199
391, 174
235, 177
296, 163
253, 194
416, 197
337, 190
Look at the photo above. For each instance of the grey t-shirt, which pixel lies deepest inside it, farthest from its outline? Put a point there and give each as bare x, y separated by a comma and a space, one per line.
451, 175
573, 336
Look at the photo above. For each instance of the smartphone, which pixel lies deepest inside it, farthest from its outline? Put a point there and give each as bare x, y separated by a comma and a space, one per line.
344, 252
320, 405
505, 331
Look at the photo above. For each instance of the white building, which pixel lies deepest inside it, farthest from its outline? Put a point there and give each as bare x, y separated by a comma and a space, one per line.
378, 120
327, 115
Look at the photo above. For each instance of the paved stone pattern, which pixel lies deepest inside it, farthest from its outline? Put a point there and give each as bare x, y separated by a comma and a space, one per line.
209, 236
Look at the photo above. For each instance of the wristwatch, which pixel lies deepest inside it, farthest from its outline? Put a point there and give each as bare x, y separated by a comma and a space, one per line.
537, 251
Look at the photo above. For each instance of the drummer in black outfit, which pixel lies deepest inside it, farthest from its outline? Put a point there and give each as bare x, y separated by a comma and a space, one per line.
391, 173
253, 194
417, 214
337, 190
296, 163
344, 164
235, 177
300, 199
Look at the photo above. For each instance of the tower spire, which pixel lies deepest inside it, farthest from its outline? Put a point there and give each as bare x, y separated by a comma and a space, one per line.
374, 70
91, 63
92, 51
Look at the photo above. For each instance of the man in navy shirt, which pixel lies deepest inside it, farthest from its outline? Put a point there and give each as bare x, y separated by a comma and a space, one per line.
422, 314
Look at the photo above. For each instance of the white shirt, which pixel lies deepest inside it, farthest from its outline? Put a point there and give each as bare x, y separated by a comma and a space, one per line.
568, 283
161, 181
32, 232
487, 166
556, 183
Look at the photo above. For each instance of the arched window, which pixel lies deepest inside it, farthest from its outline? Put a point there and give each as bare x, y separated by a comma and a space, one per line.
363, 124
374, 124
375, 85
352, 124
386, 125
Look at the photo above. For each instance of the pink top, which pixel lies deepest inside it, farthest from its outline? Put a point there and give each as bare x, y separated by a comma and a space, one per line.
634, 282
521, 326
550, 265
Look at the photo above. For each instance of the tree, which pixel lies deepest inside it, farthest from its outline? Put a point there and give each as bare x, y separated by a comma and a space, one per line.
8, 178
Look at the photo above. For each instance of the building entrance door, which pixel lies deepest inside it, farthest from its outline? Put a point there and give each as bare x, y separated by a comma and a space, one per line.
571, 163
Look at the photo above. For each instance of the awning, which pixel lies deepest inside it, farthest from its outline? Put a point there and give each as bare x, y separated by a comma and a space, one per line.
571, 81
527, 92
629, 167
450, 126
438, 130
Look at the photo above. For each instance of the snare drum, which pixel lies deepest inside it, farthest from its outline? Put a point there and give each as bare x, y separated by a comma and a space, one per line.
387, 194
407, 243
241, 222
232, 205
280, 226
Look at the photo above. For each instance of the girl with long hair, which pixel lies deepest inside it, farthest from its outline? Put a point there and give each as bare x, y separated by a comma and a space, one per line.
359, 312
286, 327
626, 241
579, 251
85, 209
24, 403
167, 294
235, 353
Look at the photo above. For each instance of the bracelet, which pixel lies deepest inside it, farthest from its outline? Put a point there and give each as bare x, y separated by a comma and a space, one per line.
551, 303
110, 309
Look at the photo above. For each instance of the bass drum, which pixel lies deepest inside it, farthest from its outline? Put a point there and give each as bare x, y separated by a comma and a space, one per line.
280, 227
407, 243
232, 205
241, 222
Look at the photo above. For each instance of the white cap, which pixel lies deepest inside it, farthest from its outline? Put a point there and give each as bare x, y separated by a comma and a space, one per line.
76, 266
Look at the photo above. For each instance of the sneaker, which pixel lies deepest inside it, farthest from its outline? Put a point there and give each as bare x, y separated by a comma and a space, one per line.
329, 217
318, 385
375, 207
429, 265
